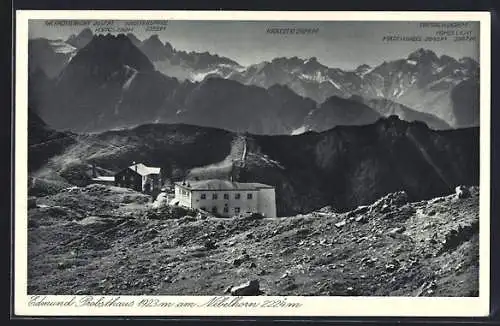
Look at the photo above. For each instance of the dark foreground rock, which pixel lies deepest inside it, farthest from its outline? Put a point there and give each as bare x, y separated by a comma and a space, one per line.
246, 289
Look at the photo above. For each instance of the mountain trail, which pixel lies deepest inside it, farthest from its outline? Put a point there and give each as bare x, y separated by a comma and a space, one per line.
236, 156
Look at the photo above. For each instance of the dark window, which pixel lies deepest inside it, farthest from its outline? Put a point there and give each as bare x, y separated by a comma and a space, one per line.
214, 209
237, 210
203, 196
214, 196
226, 196
237, 196
249, 196
226, 209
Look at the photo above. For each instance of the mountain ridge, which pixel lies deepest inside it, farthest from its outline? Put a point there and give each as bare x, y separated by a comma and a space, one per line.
345, 167
404, 94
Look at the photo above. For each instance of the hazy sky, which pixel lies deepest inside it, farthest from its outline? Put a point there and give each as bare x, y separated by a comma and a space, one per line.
341, 44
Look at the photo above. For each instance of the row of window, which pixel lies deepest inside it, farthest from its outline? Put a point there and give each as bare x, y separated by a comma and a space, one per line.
225, 209
226, 196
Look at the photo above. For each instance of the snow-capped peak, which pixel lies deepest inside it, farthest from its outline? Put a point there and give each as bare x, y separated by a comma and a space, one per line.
60, 46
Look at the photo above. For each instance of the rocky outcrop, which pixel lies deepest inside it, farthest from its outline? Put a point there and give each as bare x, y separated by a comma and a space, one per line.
409, 248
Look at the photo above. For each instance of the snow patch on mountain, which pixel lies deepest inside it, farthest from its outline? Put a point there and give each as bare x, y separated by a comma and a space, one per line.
133, 73
59, 46
299, 130
335, 84
379, 92
200, 76
316, 77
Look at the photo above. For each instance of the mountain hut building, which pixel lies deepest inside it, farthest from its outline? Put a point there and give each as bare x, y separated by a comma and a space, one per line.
140, 178
226, 198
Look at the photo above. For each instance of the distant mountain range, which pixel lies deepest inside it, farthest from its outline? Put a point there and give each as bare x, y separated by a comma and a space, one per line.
101, 82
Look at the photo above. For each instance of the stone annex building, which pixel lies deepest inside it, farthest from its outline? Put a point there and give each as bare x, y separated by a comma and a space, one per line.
226, 198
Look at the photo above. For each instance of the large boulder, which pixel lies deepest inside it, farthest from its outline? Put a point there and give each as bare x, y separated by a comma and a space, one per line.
398, 198
246, 289
385, 203
161, 200
462, 192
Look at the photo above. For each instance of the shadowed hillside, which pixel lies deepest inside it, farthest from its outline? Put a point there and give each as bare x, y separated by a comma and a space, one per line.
345, 167
43, 142
351, 166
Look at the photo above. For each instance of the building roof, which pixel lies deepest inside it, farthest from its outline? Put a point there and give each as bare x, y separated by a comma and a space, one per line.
144, 170
104, 178
217, 184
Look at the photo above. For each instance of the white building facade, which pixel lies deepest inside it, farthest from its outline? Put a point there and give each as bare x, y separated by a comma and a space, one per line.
226, 198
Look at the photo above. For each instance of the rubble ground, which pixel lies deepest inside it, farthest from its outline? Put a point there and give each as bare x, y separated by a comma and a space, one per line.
108, 240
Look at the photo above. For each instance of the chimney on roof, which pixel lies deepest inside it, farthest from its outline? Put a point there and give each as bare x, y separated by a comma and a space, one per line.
183, 182
189, 185
94, 172
135, 165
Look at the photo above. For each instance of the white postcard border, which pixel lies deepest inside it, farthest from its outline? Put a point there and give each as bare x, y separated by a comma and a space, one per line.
310, 306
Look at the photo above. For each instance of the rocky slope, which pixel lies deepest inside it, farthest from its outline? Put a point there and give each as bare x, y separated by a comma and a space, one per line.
344, 167
102, 240
423, 82
103, 87
111, 84
426, 83
386, 108
52, 56
192, 66
226, 104
337, 111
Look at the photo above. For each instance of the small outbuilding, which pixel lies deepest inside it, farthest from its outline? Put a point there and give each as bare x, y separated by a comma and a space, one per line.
104, 180
139, 177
